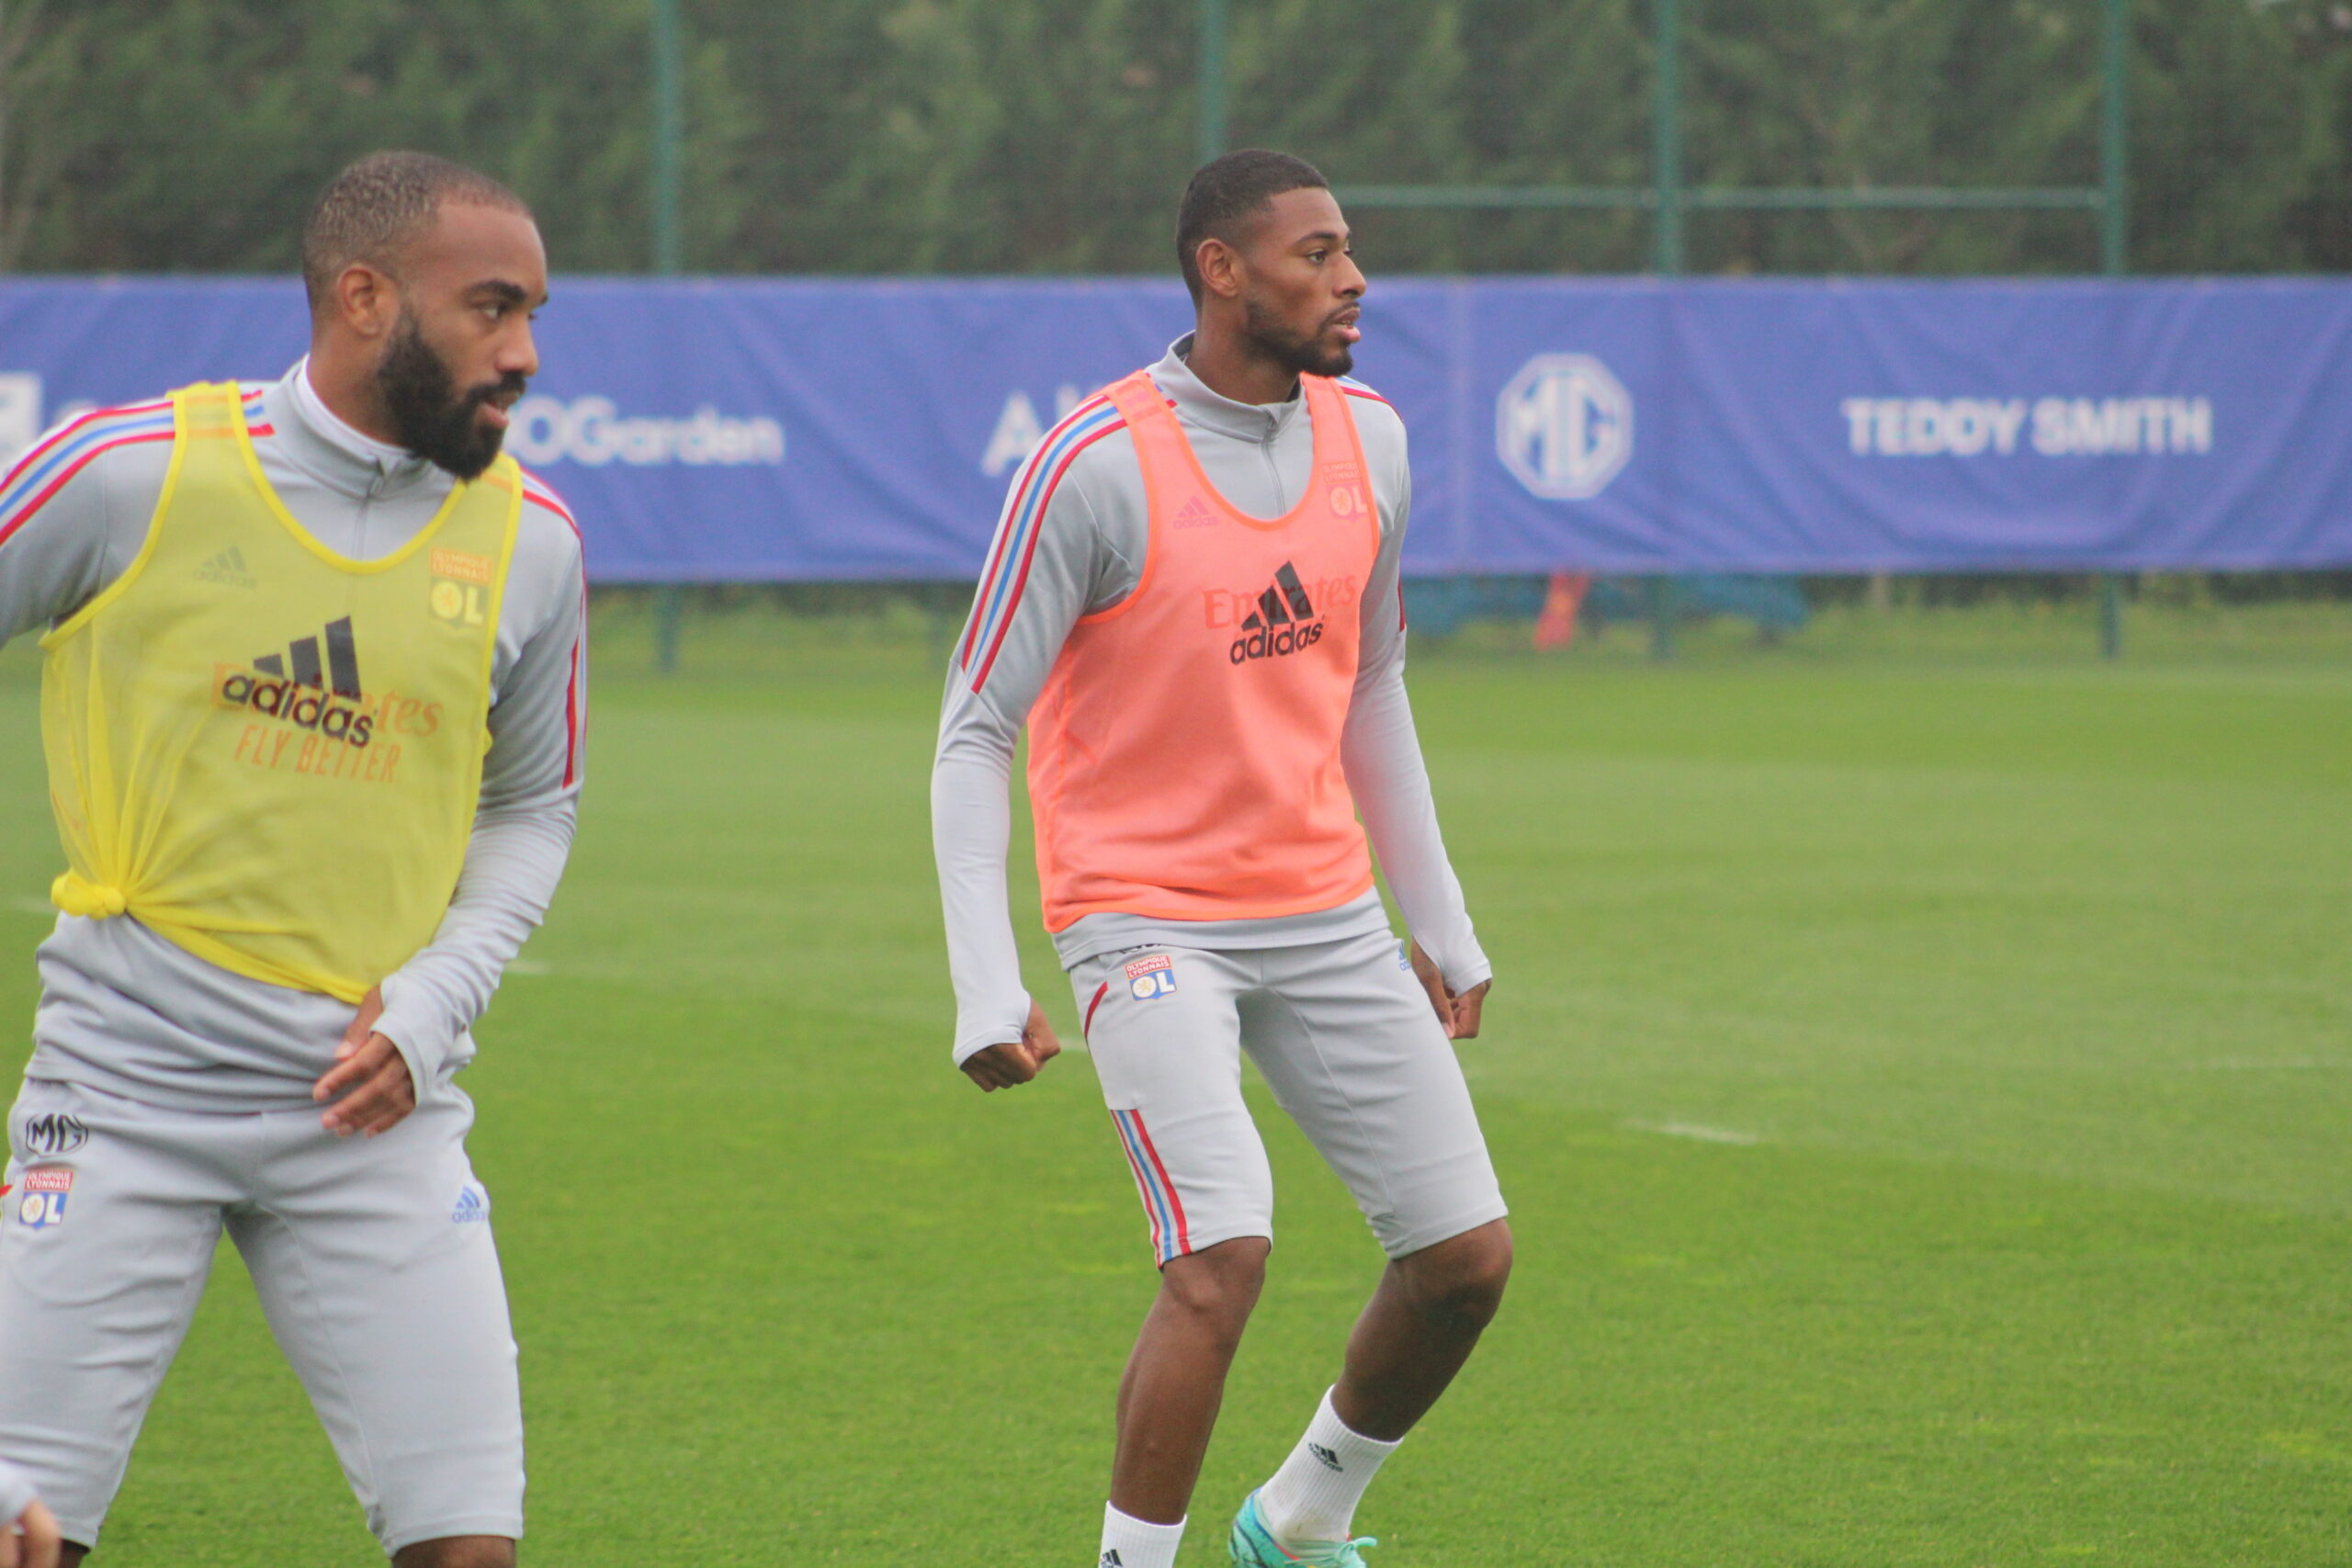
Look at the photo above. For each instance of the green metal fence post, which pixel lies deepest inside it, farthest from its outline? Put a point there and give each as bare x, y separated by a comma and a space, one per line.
2114, 143
1212, 17
1666, 186
669, 132
669, 620
669, 246
1666, 140
669, 623
2114, 236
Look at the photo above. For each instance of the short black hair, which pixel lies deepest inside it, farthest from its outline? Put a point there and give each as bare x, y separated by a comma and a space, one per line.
375, 206
1225, 192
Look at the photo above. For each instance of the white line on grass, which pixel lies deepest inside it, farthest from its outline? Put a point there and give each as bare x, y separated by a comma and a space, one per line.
1694, 1130
529, 967
32, 906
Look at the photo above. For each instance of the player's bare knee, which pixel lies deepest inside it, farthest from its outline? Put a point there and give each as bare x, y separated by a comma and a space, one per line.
1219, 1284
1460, 1281
457, 1551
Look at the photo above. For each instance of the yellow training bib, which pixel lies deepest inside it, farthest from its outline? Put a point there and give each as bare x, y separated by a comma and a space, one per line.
266, 753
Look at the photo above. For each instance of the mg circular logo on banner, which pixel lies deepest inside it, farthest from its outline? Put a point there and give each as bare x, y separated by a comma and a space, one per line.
1564, 426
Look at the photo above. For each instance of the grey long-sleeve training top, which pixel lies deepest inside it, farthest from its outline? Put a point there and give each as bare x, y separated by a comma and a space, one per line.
126, 1012
15, 1493
1070, 543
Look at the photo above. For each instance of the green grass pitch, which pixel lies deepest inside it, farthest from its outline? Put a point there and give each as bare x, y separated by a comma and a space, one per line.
1924, 1085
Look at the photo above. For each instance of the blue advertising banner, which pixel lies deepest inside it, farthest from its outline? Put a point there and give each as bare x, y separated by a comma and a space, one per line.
712, 430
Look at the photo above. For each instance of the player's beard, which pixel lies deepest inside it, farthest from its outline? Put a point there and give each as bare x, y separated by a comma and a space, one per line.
430, 416
1300, 354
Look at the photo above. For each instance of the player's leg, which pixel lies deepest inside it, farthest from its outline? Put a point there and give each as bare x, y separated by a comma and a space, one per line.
1174, 1381
1161, 1026
1424, 1318
376, 1269
1348, 1043
457, 1551
106, 1239
1423, 1321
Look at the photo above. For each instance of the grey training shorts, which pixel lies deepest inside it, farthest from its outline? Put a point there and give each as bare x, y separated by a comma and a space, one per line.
1353, 1051
375, 1266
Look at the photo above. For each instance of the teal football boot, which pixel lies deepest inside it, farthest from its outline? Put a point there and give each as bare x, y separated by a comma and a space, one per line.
1254, 1545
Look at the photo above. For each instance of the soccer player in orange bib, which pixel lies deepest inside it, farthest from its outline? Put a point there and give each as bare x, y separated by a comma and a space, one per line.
1193, 601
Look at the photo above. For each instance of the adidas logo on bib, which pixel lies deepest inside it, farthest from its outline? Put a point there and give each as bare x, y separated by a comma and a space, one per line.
227, 569
302, 690
1283, 623
1194, 513
343, 659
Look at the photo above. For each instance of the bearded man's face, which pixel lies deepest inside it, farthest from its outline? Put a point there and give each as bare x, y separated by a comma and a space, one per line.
431, 414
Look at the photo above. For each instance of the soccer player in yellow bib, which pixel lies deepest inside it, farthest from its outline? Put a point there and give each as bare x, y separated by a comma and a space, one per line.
311, 710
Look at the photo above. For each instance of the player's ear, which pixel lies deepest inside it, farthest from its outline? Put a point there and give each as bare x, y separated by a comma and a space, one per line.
1219, 265
367, 300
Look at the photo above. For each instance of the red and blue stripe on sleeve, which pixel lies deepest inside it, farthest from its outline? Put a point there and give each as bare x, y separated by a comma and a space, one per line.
64, 452
1016, 538
575, 714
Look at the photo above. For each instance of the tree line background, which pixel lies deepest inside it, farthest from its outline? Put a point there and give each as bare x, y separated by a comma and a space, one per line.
1008, 136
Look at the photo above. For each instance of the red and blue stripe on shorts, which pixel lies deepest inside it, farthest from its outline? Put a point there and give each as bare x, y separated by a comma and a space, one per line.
1171, 1238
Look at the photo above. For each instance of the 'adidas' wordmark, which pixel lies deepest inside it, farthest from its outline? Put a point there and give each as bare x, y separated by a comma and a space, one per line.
300, 695
1283, 622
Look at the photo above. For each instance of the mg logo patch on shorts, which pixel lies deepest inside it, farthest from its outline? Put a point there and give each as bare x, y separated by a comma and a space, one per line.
43, 1203
1152, 977
53, 1133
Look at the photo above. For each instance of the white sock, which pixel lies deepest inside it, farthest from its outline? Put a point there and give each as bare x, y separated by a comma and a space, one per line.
1132, 1543
1313, 1496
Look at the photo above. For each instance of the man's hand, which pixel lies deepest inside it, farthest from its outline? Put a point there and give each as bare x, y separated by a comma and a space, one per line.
31, 1541
1457, 1014
372, 1075
1002, 1067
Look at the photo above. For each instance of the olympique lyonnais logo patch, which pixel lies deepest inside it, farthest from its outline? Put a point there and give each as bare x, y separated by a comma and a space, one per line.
463, 567
461, 584
43, 1203
1152, 977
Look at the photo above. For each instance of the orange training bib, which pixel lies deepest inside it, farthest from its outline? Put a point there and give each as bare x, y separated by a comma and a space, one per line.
1184, 755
